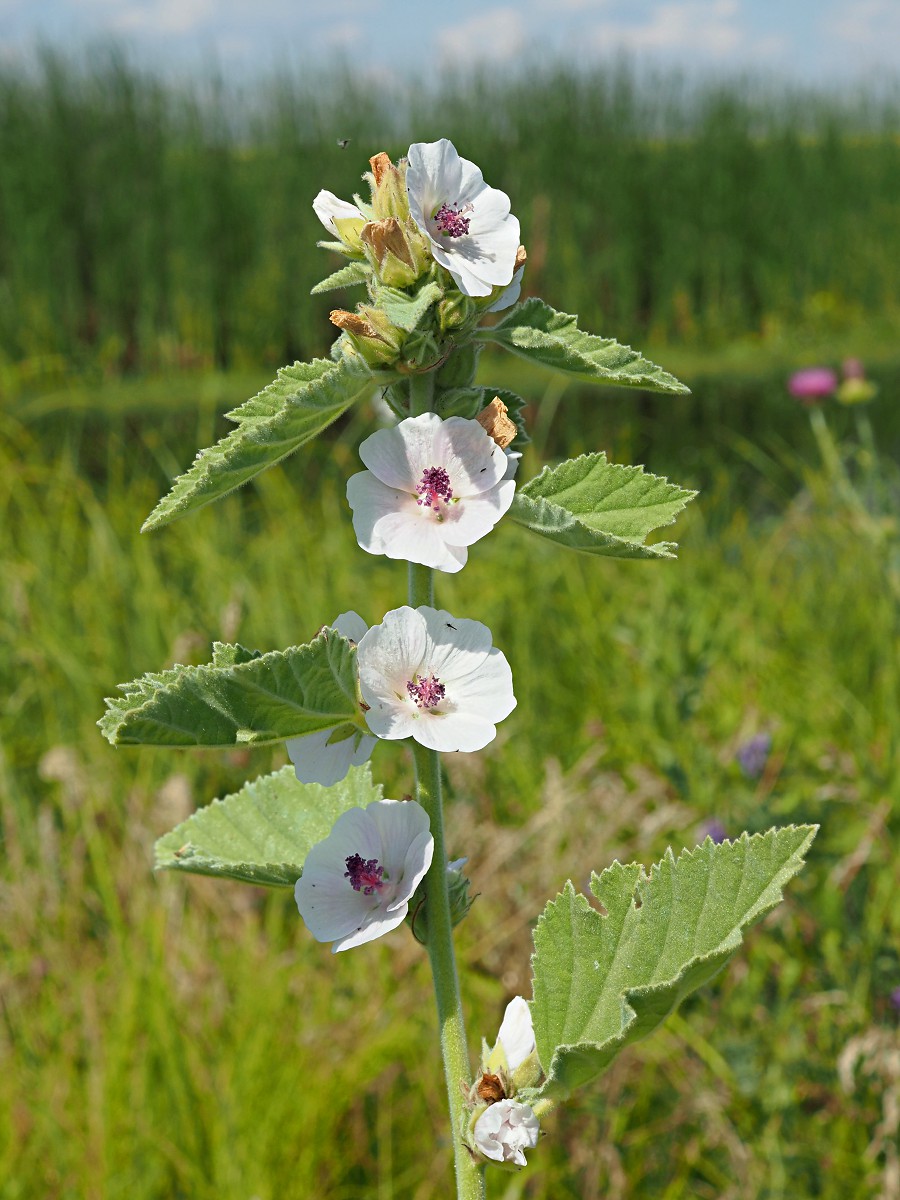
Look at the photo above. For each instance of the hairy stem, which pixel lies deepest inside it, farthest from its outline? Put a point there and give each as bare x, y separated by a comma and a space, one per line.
454, 1047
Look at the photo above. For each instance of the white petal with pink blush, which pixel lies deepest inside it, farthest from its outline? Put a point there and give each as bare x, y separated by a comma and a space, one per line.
432, 489
469, 225
437, 678
357, 883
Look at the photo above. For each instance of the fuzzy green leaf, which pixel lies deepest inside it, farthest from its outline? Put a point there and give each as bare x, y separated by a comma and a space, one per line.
349, 276
239, 699
407, 312
603, 981
599, 507
263, 833
303, 400
539, 333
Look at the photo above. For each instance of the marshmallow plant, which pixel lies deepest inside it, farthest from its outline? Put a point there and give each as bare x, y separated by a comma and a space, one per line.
437, 253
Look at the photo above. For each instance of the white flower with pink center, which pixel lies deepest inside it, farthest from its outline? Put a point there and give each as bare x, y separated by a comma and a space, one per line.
357, 883
505, 1130
317, 757
469, 225
434, 677
432, 488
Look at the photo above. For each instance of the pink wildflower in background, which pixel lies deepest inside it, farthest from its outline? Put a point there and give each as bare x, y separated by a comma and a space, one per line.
812, 384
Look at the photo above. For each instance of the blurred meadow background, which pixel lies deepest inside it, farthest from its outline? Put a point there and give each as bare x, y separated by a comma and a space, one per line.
167, 1037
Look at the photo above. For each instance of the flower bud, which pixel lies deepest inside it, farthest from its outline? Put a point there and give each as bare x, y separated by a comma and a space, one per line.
856, 390
459, 369
390, 253
389, 197
460, 902
514, 1056
370, 334
456, 311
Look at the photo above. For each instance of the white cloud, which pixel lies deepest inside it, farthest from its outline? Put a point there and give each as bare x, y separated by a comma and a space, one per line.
711, 29
497, 34
160, 16
869, 26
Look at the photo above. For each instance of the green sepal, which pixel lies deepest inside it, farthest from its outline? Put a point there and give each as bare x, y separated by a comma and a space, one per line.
539, 333
405, 311
303, 400
600, 507
241, 698
263, 833
604, 980
349, 276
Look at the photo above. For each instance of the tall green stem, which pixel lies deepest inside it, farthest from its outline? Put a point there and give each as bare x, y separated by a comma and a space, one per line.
454, 1046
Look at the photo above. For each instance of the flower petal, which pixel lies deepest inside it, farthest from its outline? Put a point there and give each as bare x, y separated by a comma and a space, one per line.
318, 760
398, 456
350, 625
472, 459
391, 653
516, 1032
327, 206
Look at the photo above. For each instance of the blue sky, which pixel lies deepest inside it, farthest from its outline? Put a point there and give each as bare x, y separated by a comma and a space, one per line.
811, 40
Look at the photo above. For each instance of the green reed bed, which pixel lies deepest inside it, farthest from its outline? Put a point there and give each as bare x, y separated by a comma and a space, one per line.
155, 1030
148, 223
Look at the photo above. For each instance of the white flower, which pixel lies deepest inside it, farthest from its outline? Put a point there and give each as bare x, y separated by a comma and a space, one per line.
357, 883
516, 1034
330, 209
433, 488
316, 758
469, 225
434, 677
505, 1130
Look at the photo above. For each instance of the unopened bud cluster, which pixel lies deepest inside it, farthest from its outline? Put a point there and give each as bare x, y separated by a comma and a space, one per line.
433, 261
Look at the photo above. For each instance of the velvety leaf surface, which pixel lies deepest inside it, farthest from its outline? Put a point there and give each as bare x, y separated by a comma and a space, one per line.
541, 334
603, 981
263, 833
599, 507
240, 698
303, 400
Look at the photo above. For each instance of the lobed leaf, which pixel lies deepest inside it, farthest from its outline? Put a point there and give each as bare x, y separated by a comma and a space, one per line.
263, 833
541, 334
601, 981
599, 507
241, 698
303, 400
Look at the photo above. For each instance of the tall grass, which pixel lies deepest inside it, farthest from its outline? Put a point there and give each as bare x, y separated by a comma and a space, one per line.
145, 223
169, 1037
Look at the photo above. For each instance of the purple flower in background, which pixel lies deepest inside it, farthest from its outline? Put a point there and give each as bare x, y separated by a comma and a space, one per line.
714, 829
895, 998
753, 755
812, 384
